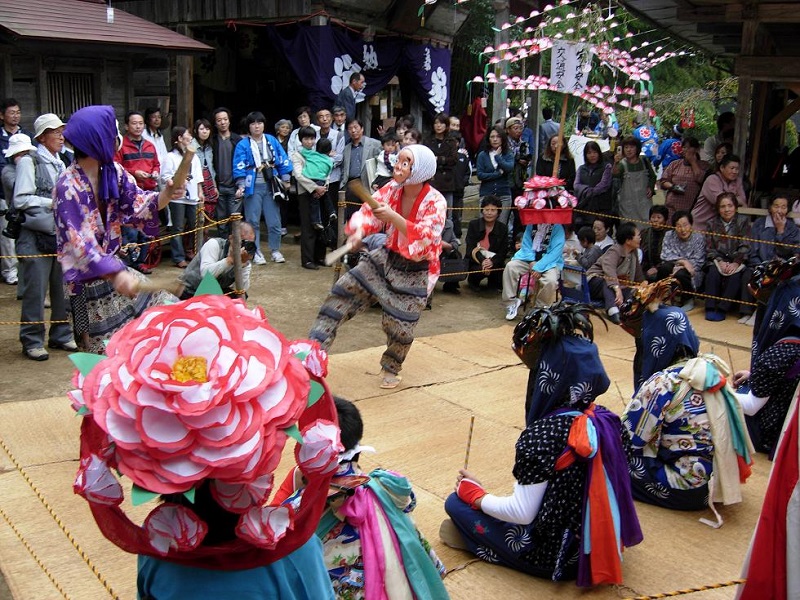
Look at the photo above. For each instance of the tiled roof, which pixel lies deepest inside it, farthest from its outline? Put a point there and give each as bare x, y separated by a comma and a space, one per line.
78, 21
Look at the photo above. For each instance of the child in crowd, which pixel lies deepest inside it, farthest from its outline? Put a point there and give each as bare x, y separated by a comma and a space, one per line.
367, 558
386, 160
318, 169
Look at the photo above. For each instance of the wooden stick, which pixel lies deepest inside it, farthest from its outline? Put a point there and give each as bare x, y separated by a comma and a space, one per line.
358, 189
469, 441
182, 172
730, 361
561, 137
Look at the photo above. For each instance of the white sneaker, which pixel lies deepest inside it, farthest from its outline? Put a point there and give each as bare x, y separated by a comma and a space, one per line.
277, 257
259, 259
688, 306
751, 321
512, 309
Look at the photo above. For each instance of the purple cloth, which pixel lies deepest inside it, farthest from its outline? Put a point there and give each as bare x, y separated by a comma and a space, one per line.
93, 130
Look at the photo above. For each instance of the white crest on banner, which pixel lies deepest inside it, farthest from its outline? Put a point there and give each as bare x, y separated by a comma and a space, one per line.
570, 64
343, 67
370, 58
427, 64
438, 93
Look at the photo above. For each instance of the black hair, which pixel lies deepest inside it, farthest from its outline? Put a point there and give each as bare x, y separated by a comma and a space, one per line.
415, 134
254, 117
221, 523
220, 109
356, 76
679, 214
132, 113
632, 141
149, 112
625, 232
691, 142
729, 158
491, 200
547, 113
197, 125
304, 109
390, 136
503, 138
324, 146
350, 423
592, 146
8, 103
177, 132
442, 118
586, 234
306, 132
355, 120
660, 209
724, 119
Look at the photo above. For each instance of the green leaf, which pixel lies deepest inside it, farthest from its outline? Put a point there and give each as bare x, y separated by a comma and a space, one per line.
209, 285
82, 411
141, 496
189, 495
294, 432
301, 356
421, 10
315, 393
85, 362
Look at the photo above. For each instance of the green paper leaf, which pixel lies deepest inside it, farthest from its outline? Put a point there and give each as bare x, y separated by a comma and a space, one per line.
315, 393
421, 10
301, 356
294, 432
189, 495
141, 496
85, 362
209, 285
82, 411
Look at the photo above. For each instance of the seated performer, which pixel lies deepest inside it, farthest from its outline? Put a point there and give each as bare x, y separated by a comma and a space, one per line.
571, 512
401, 275
366, 559
158, 417
684, 422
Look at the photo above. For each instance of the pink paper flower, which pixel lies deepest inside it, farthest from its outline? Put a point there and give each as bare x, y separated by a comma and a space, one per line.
199, 389
241, 497
321, 447
174, 527
316, 359
265, 526
96, 483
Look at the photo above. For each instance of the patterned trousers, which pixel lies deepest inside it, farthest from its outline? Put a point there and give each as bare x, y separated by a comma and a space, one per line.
398, 284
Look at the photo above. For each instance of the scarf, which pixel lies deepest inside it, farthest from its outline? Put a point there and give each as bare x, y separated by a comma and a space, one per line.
610, 523
663, 331
424, 167
781, 317
93, 130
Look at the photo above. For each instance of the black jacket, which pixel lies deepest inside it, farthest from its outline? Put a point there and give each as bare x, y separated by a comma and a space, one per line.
235, 139
498, 242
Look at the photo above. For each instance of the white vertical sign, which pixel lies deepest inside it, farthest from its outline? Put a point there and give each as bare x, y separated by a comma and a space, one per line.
570, 64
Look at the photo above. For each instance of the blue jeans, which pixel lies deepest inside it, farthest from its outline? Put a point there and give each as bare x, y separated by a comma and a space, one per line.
262, 203
183, 219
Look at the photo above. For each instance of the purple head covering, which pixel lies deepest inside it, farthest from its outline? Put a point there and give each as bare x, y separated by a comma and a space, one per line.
93, 131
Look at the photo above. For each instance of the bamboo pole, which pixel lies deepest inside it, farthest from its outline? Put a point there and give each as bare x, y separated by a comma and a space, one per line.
560, 134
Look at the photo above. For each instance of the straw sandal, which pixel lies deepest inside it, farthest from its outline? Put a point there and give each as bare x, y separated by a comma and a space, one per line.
451, 536
389, 380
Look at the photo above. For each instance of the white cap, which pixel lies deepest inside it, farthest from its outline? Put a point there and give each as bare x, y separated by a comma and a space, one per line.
17, 143
45, 122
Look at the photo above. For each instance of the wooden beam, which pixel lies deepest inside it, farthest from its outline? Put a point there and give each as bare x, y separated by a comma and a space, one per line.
784, 12
744, 97
768, 68
787, 112
184, 82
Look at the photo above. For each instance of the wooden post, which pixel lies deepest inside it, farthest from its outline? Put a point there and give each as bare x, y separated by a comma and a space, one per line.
236, 243
501, 10
184, 82
560, 134
341, 238
744, 97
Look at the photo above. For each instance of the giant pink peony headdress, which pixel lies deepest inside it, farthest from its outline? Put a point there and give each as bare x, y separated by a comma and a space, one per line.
203, 390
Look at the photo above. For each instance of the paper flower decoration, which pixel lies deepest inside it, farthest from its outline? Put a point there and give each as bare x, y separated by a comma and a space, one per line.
96, 483
265, 526
199, 389
314, 358
240, 497
321, 447
174, 527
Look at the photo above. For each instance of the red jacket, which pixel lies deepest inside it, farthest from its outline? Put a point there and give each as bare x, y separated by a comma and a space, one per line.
140, 156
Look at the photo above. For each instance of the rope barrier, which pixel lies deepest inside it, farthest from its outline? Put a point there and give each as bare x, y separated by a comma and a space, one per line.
702, 588
57, 519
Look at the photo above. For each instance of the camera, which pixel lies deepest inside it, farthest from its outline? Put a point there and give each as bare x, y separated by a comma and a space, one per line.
14, 221
249, 246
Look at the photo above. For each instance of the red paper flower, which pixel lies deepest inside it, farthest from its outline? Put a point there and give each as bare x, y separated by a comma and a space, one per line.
316, 359
199, 389
96, 483
241, 497
321, 447
174, 527
265, 526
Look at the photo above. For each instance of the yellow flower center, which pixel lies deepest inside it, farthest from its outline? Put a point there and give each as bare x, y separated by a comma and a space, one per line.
190, 368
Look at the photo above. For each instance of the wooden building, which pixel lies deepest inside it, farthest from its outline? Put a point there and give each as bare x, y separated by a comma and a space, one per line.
60, 55
760, 38
247, 72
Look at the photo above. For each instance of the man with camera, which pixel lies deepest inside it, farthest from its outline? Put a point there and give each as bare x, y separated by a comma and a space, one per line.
216, 257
